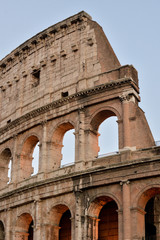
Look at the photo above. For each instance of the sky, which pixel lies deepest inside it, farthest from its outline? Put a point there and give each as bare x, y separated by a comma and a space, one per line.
131, 26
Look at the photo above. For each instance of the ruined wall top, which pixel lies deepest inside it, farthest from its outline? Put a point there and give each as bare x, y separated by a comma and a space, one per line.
66, 58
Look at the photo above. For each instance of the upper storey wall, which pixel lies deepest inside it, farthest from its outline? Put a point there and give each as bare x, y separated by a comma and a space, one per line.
64, 59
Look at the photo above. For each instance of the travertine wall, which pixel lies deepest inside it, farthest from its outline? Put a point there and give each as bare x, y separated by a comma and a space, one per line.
64, 55
68, 77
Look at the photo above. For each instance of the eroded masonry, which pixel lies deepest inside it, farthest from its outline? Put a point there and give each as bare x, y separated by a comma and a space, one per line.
68, 77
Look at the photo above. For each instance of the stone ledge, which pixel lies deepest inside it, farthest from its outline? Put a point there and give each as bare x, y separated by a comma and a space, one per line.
63, 101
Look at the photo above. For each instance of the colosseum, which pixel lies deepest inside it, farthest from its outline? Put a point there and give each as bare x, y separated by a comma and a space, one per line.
68, 77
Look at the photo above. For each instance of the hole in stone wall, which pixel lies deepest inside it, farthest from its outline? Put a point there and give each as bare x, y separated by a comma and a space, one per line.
9, 121
36, 78
64, 94
68, 151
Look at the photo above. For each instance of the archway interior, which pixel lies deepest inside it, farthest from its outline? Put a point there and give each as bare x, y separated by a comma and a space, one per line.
60, 222
108, 136
25, 225
105, 128
27, 168
152, 218
108, 222
30, 231
5, 167
63, 145
2, 231
65, 226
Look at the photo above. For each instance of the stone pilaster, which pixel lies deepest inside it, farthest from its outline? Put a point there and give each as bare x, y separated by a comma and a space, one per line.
126, 210
126, 128
38, 219
43, 149
81, 136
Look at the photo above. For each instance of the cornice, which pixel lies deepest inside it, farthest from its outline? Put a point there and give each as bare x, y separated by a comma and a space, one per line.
58, 103
95, 170
51, 32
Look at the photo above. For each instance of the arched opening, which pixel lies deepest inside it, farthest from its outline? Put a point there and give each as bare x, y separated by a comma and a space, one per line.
68, 150
65, 226
9, 170
29, 165
24, 227
59, 223
2, 231
5, 167
30, 231
148, 223
35, 161
104, 139
152, 218
103, 219
108, 222
63, 145
108, 137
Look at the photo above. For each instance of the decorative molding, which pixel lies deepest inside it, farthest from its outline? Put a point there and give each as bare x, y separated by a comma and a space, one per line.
24, 49
62, 101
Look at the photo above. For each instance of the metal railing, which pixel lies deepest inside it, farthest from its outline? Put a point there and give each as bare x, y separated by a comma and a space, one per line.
67, 164
107, 154
157, 143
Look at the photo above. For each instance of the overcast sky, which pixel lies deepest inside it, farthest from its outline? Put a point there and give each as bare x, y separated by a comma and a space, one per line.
132, 27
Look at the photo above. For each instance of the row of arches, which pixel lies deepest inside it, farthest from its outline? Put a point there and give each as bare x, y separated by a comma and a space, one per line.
102, 223
62, 148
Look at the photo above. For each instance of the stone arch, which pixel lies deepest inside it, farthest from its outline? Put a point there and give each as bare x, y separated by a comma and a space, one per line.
24, 227
5, 159
103, 214
97, 118
59, 227
148, 202
26, 156
145, 194
56, 143
2, 231
101, 114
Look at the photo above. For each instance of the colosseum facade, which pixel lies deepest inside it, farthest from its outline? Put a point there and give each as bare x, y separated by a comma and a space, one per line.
68, 77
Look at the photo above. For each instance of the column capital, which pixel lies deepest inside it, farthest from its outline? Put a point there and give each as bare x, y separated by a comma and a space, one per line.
82, 109
125, 97
127, 182
44, 122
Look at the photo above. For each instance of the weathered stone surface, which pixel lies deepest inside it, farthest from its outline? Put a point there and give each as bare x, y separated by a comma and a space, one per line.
68, 77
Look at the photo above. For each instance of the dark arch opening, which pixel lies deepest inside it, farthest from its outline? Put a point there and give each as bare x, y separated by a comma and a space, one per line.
108, 222
30, 231
152, 218
2, 231
65, 226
